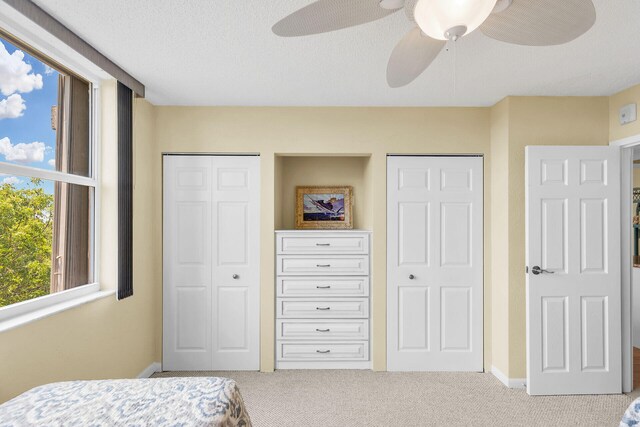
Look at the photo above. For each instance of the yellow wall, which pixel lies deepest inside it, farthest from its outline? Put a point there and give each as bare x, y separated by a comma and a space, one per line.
629, 96
147, 226
500, 133
500, 235
302, 131
531, 121
323, 171
106, 338
103, 338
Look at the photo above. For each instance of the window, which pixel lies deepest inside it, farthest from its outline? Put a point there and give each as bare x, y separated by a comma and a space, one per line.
47, 177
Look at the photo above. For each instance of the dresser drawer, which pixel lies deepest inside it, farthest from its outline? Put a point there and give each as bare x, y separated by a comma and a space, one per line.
323, 308
322, 351
322, 286
322, 244
322, 329
322, 265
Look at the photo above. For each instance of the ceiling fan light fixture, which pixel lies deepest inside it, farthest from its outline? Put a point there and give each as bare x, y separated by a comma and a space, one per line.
454, 33
502, 5
391, 4
451, 19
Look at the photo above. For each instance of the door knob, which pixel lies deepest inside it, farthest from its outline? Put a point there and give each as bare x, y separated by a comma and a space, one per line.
235, 276
411, 277
537, 270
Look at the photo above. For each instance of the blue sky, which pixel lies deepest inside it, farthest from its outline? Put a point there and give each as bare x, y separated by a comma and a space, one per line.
33, 124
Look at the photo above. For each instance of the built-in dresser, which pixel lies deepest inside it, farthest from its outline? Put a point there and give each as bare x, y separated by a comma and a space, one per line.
322, 299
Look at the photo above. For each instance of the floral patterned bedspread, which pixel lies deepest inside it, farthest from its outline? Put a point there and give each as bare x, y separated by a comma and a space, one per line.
631, 417
184, 401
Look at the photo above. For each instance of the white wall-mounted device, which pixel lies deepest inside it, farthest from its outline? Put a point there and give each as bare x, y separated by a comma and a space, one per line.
628, 114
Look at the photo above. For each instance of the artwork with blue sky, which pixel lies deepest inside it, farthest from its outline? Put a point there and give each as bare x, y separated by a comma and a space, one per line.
28, 90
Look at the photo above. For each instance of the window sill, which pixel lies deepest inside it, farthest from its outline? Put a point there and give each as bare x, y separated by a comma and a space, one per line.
41, 313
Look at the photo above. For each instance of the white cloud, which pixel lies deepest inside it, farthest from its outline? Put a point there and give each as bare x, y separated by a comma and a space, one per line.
22, 153
12, 107
12, 180
15, 73
48, 70
52, 163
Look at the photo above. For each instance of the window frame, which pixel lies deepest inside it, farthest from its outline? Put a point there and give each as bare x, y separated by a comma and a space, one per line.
17, 314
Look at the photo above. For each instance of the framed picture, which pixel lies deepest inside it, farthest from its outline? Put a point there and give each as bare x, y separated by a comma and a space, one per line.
324, 208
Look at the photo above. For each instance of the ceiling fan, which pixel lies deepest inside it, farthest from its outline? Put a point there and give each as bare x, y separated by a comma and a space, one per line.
522, 22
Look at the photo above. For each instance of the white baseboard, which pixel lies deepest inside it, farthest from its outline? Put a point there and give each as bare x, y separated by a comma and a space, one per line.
509, 382
150, 370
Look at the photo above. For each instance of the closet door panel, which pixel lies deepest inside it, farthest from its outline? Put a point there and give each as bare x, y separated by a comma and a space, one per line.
236, 270
435, 263
187, 302
232, 320
233, 233
191, 308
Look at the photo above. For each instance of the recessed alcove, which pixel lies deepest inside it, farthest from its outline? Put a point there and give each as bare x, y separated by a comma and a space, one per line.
293, 170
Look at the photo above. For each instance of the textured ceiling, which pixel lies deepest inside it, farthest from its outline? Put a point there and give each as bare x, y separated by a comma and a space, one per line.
205, 52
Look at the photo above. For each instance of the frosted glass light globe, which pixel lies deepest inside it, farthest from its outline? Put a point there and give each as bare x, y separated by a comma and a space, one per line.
436, 17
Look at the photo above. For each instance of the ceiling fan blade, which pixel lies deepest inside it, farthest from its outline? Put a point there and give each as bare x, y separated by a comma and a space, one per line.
411, 56
329, 15
541, 22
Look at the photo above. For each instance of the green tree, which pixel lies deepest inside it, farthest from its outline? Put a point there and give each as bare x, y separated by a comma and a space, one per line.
26, 233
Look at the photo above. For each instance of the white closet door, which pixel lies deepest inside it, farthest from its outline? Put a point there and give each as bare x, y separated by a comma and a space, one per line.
434, 263
236, 263
211, 263
187, 263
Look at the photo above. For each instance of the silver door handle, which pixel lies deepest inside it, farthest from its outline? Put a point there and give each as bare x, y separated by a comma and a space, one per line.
323, 351
537, 270
323, 287
323, 330
323, 265
235, 276
323, 308
411, 277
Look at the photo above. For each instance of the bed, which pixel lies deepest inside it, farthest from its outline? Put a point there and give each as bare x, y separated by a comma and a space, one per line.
187, 401
631, 417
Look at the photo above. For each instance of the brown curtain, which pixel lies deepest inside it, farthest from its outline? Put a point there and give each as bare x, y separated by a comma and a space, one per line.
70, 251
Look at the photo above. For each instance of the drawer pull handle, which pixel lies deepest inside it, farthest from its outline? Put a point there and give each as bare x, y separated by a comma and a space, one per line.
323, 330
323, 244
323, 265
323, 351
323, 287
323, 308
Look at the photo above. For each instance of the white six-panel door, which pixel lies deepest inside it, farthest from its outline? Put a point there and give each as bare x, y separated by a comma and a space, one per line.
211, 263
573, 280
434, 263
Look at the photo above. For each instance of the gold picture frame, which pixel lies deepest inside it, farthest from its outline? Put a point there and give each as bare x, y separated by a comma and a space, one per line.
324, 208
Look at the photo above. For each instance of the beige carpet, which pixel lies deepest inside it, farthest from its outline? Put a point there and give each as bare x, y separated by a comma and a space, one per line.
365, 398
